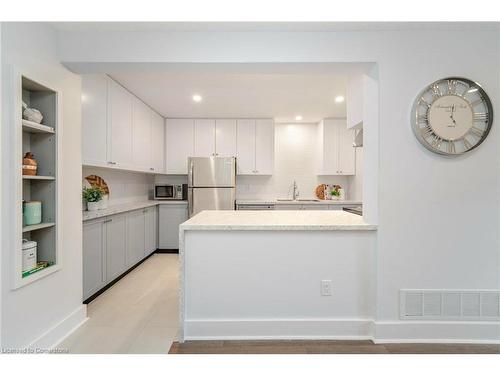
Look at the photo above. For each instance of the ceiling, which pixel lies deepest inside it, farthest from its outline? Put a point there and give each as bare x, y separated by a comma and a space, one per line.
242, 95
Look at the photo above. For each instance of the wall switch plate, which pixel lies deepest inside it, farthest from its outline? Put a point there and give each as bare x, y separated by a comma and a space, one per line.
326, 287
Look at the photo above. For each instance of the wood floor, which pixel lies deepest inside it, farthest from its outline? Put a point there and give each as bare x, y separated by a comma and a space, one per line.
324, 347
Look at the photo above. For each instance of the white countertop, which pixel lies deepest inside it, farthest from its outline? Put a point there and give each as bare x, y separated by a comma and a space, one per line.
276, 201
276, 220
117, 209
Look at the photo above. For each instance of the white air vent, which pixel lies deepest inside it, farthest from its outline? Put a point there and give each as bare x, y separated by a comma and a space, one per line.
450, 304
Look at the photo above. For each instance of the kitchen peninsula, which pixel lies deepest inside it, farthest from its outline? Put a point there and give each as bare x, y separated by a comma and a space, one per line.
276, 274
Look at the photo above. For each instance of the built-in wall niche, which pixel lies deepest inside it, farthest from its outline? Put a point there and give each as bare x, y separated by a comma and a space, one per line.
41, 140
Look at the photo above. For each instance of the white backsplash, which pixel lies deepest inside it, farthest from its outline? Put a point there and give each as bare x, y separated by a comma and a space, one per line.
124, 186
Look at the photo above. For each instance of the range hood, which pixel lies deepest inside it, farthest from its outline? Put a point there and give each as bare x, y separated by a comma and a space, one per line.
358, 139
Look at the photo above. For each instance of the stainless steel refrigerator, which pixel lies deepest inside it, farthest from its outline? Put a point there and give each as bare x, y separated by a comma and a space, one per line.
211, 184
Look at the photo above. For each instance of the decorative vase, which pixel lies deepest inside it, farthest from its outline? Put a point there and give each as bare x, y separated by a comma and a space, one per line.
30, 165
32, 212
103, 203
93, 206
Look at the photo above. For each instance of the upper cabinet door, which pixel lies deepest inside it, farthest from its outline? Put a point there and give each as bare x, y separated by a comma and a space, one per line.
204, 137
179, 135
225, 138
330, 139
94, 121
119, 125
141, 135
337, 156
245, 147
347, 153
157, 143
264, 147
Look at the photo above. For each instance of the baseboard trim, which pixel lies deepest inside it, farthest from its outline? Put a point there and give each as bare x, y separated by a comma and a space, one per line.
57, 333
429, 332
297, 329
167, 251
442, 332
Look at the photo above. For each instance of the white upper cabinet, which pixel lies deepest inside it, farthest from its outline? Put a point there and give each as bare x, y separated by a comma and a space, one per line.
337, 155
264, 147
245, 146
179, 142
119, 125
255, 147
94, 121
141, 135
225, 137
215, 137
204, 137
157, 143
119, 130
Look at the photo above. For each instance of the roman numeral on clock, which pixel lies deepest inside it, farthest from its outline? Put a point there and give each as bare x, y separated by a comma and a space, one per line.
422, 119
481, 116
452, 86
426, 132
436, 91
476, 131
476, 102
467, 144
451, 147
424, 102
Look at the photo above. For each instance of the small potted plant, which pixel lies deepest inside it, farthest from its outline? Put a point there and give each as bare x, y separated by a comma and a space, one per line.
92, 195
335, 192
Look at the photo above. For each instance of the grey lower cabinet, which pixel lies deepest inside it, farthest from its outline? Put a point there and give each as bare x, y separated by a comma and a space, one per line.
136, 236
151, 226
114, 244
94, 257
171, 216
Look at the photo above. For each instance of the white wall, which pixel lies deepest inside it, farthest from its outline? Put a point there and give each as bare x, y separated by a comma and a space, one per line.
124, 186
438, 217
44, 311
295, 158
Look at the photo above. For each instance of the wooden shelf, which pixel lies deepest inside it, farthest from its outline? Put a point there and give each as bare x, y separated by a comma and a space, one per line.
33, 127
30, 228
27, 177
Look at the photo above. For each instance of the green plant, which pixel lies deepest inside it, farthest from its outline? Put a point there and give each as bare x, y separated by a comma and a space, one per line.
336, 191
92, 194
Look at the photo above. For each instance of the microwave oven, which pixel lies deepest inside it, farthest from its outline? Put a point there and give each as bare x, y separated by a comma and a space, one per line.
174, 192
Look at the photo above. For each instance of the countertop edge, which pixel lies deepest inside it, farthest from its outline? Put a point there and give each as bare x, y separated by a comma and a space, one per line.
339, 227
277, 202
126, 207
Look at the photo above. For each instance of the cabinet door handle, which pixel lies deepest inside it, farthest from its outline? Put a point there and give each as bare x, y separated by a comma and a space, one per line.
112, 162
151, 169
108, 221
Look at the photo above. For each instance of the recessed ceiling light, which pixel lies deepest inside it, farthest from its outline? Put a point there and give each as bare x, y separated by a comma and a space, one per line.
298, 118
339, 99
197, 98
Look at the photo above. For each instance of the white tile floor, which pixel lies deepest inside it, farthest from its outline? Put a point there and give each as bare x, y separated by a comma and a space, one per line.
139, 314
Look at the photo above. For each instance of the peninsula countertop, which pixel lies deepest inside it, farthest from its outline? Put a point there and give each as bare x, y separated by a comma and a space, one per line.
276, 220
125, 207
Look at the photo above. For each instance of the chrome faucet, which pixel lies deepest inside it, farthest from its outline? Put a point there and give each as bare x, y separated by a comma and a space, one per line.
295, 190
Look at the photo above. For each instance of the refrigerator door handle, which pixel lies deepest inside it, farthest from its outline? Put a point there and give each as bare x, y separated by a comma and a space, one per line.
191, 172
190, 202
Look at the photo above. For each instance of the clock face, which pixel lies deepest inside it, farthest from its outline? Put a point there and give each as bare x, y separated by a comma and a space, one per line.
452, 116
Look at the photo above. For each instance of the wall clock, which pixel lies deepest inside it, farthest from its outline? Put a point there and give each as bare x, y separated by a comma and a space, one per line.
452, 116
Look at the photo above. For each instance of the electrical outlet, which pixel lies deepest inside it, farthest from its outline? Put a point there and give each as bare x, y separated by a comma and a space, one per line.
326, 287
